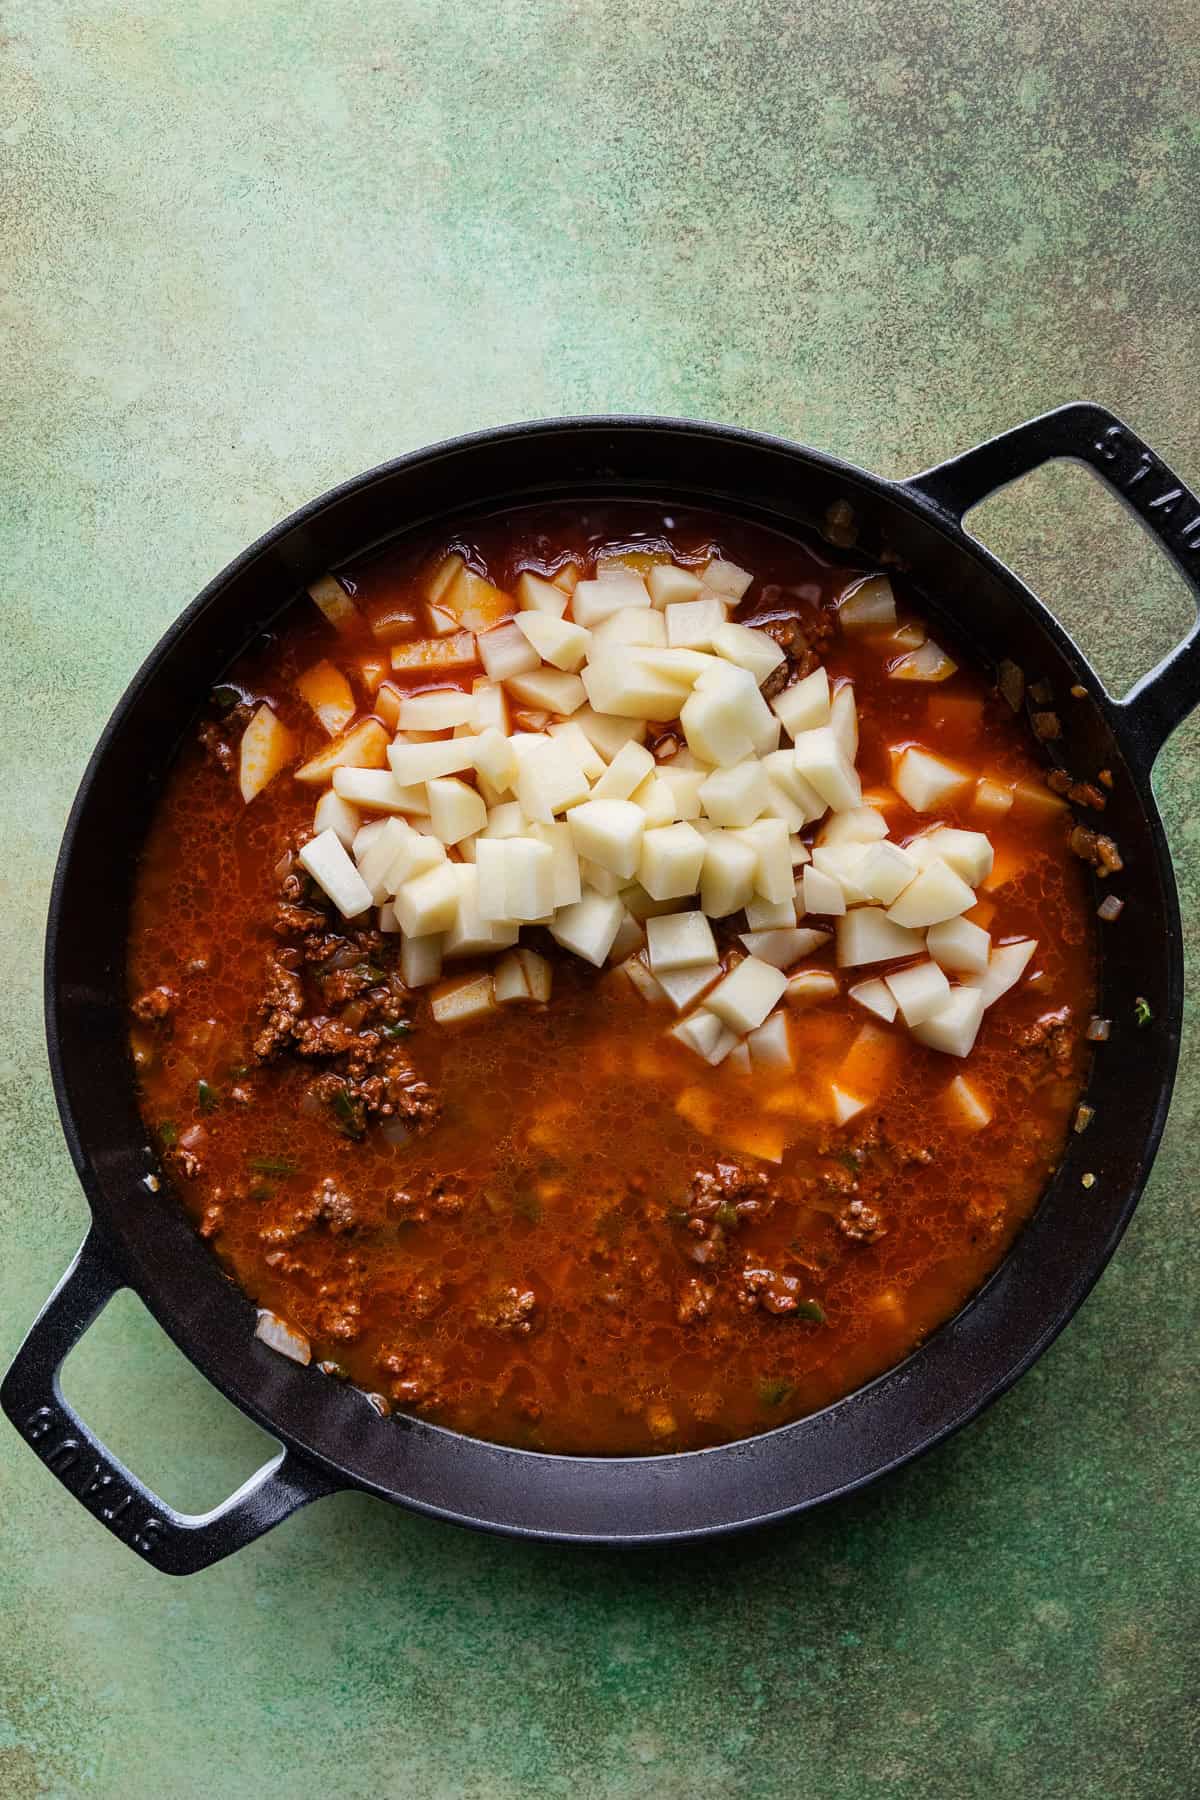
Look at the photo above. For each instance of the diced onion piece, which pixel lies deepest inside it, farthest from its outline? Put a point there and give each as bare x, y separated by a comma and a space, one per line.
955, 1026
992, 798
693, 624
325, 689
810, 987
672, 858
959, 945
556, 640
843, 720
705, 1035
926, 782
965, 1105
334, 602
846, 1106
267, 747
605, 732
421, 960
669, 585
589, 927
726, 579
770, 1045
455, 810
804, 706
412, 763
868, 606
937, 893
377, 790
861, 825
335, 814
1006, 965
928, 662
868, 935
457, 651
1110, 908
428, 902
325, 859
682, 986
821, 761
876, 997
783, 948
461, 1001
536, 595
680, 941
278, 1335
919, 991
754, 650
440, 709
745, 997
594, 601
822, 893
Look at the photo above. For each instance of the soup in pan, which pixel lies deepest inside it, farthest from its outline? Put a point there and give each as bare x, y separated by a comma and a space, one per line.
614, 981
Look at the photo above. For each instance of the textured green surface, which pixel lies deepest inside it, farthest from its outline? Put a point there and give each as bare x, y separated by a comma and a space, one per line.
249, 249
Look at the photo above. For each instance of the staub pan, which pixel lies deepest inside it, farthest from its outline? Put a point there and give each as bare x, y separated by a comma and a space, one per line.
330, 1437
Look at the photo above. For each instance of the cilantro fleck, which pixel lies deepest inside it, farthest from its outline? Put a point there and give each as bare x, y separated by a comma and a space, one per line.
849, 1160
168, 1133
774, 1393
272, 1165
206, 1094
349, 1120
226, 696
1142, 1012
810, 1309
399, 1029
726, 1214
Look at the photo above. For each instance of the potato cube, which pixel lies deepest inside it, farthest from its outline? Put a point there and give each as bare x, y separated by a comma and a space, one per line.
928, 662
469, 934
509, 980
325, 689
919, 991
935, 894
549, 780
377, 790
589, 928
684, 786
993, 799
846, 1106
843, 720
966, 1105
428, 902
885, 871
489, 706
609, 832
770, 915
968, 853
876, 997
627, 771
784, 947
491, 870
861, 825
529, 878
656, 802
682, 986
605, 732
926, 782
647, 630
336, 815
823, 763
957, 944
1006, 965
868, 935
325, 859
456, 651
439, 709
421, 960
821, 893
505, 651
955, 1026
736, 795
804, 706
536, 595
564, 863
681, 940
672, 858
496, 760
413, 763
675, 663
782, 771
800, 852
843, 863
616, 682
704, 1034
334, 602
364, 746
594, 601
746, 996
868, 605
629, 940
692, 624
773, 875
538, 974
582, 750
810, 987
376, 858
727, 879
601, 881
461, 1001
770, 1045
748, 648
551, 689
726, 579
455, 810
670, 586
556, 640
723, 719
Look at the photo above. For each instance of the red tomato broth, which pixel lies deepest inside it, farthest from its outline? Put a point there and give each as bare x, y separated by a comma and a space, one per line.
560, 1133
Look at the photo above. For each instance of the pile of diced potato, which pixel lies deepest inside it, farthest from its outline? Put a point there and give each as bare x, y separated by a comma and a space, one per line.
527, 796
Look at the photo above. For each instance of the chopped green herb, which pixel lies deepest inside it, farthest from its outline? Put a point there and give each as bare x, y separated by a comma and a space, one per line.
1141, 1011
272, 1165
400, 1029
677, 1215
226, 696
811, 1309
206, 1094
168, 1132
726, 1214
774, 1393
349, 1120
849, 1160
527, 1205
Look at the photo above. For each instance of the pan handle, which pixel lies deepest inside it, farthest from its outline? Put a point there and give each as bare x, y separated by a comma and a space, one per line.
177, 1543
1170, 512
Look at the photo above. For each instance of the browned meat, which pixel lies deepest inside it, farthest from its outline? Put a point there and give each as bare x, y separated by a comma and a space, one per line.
729, 1193
416, 1379
291, 920
800, 658
335, 1208
216, 746
861, 1223
186, 1163
695, 1301
776, 1293
1054, 1036
281, 1005
513, 1310
1096, 848
440, 1197
155, 1005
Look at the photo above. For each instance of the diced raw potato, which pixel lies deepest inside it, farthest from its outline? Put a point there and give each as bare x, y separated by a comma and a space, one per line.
470, 934
556, 640
549, 780
845, 1106
551, 689
278, 1335
785, 947
399, 854
877, 997
810, 987
457, 651
992, 799
746, 996
609, 832
589, 927
594, 601
682, 986
770, 1045
704, 1034
536, 595
618, 683
679, 941
804, 706
529, 878
509, 980
749, 649
821, 893
428, 902
538, 974
647, 630
565, 871
336, 815
675, 663
326, 690
843, 721
489, 706
925, 782
738, 1058
267, 747
365, 836
885, 871
684, 786
821, 761
955, 1026
966, 1106
334, 602
491, 868
634, 968
868, 935
727, 881
605, 732
441, 623
780, 805
412, 763
861, 825
506, 820
718, 724
736, 795
937, 893
919, 991
968, 853
441, 709
371, 671
774, 878
929, 662
474, 602
461, 1001
672, 858
726, 579
770, 915
693, 624
781, 770
324, 858
496, 759
421, 960
455, 810
670, 586
959, 945
601, 881
583, 752
868, 606
627, 771
628, 941
800, 852
843, 864
656, 801
1006, 965
442, 576
870, 1063
567, 577
505, 651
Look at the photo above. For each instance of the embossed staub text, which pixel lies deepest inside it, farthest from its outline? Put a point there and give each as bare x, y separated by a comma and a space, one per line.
101, 1490
1150, 489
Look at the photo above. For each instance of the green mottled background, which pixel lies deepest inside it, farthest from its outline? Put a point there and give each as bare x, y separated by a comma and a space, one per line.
251, 246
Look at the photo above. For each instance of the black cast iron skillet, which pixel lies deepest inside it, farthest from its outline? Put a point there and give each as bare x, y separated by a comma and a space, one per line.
330, 1436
